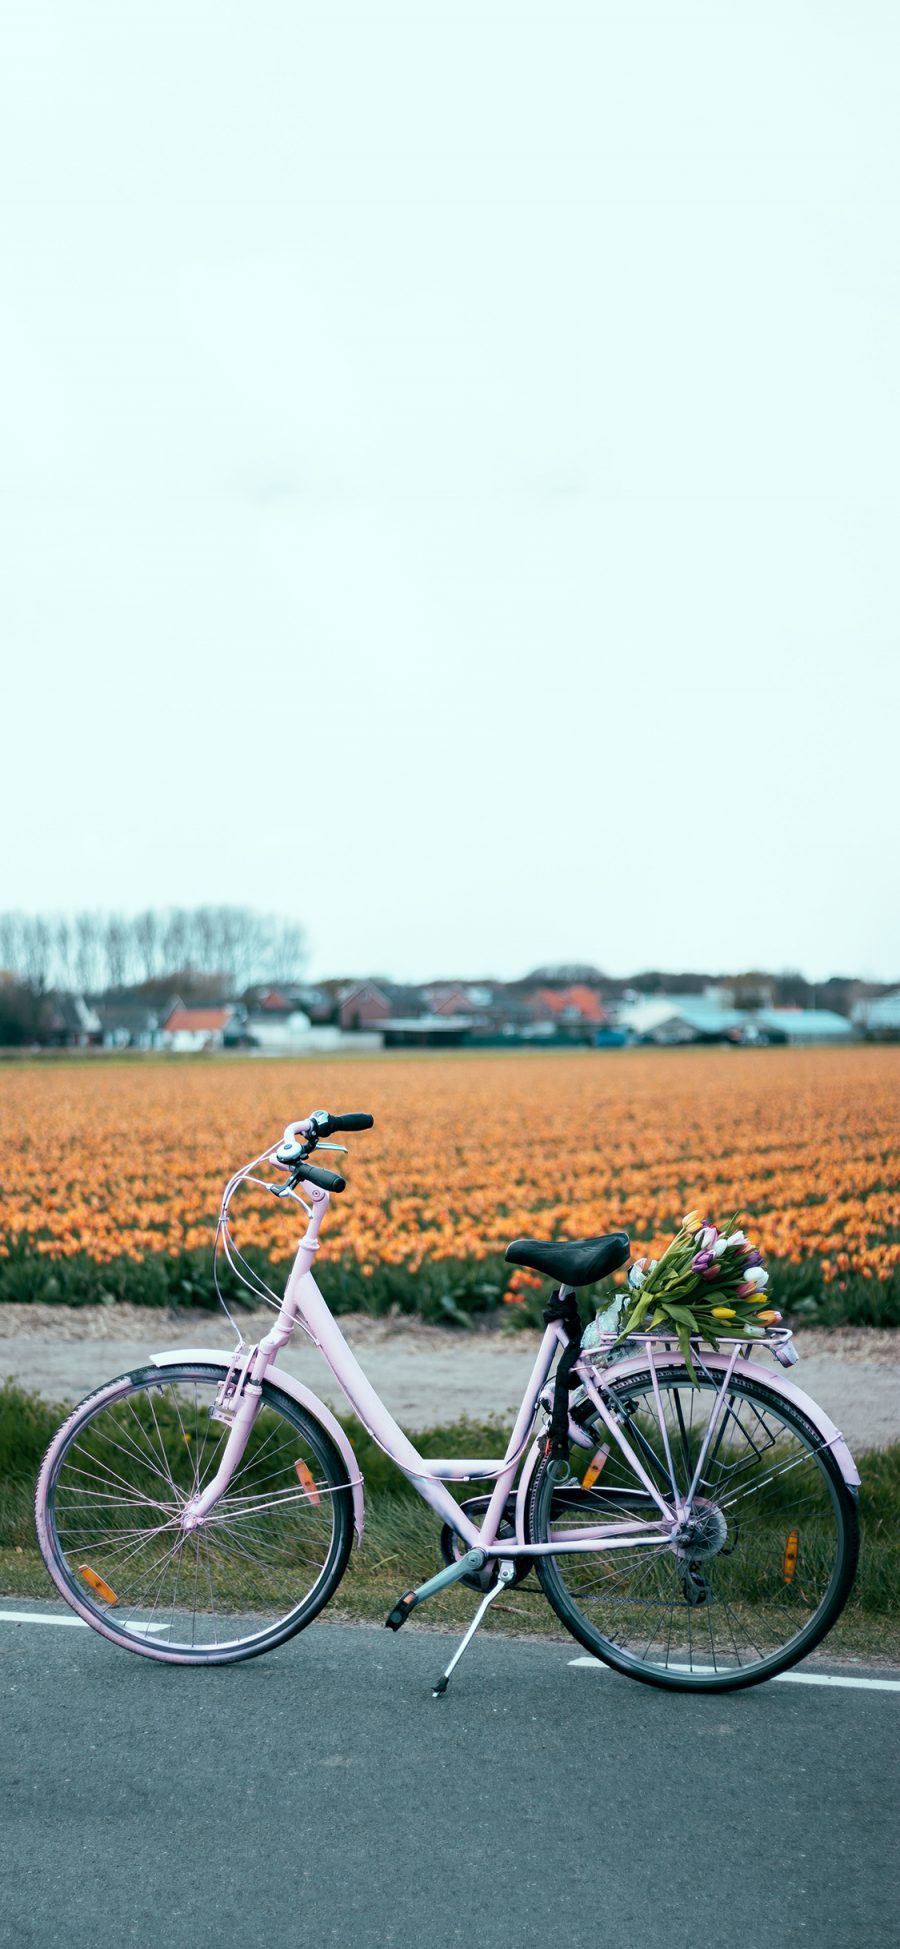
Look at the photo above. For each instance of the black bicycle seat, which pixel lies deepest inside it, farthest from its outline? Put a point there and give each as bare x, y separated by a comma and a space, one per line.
574, 1262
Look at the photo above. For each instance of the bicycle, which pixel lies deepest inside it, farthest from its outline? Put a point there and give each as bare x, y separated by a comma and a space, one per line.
201, 1509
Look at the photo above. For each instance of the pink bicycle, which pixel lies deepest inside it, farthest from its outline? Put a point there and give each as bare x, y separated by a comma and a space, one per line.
202, 1509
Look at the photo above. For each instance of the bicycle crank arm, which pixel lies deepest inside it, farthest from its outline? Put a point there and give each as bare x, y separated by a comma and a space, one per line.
405, 1605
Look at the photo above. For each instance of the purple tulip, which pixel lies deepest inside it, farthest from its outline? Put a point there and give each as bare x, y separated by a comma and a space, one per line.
712, 1272
752, 1257
701, 1261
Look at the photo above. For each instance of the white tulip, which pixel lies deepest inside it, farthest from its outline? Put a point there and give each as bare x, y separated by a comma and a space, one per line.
736, 1238
707, 1238
757, 1276
721, 1245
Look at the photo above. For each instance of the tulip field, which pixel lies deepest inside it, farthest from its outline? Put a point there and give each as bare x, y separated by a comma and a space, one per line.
111, 1171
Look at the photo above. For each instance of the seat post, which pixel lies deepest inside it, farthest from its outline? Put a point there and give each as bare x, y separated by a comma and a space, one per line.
563, 1306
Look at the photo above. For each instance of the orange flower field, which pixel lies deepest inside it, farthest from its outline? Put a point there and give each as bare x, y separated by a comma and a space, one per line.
110, 1159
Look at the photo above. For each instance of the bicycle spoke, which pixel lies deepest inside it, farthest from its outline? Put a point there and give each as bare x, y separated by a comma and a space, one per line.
720, 1595
255, 1562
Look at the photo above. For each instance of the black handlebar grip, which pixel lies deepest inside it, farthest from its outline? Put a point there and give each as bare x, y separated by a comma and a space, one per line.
354, 1120
326, 1180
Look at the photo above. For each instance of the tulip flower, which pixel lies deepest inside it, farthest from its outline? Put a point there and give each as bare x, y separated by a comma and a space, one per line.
735, 1239
691, 1221
708, 1237
770, 1318
756, 1277
701, 1261
724, 1313
720, 1247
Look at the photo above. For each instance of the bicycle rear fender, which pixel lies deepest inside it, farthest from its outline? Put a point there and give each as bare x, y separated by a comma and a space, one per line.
746, 1369
305, 1398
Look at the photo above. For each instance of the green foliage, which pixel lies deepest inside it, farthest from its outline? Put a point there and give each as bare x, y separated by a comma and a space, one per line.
27, 1425
807, 1298
448, 1292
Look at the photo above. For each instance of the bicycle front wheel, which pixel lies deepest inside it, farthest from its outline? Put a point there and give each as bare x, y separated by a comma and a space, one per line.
258, 1568
755, 1578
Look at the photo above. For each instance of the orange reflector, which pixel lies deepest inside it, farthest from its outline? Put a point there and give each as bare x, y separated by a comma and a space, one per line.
306, 1481
791, 1553
102, 1589
595, 1467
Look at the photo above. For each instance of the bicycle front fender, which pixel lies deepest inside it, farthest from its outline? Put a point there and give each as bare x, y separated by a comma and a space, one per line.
305, 1398
773, 1379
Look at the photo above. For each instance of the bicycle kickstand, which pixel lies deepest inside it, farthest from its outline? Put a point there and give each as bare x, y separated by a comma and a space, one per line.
505, 1576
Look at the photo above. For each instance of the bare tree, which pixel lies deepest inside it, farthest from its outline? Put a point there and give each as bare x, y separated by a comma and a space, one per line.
87, 958
63, 945
37, 943
118, 949
11, 955
147, 931
214, 949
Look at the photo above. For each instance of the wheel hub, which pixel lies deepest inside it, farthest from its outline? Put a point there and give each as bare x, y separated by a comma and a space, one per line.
703, 1533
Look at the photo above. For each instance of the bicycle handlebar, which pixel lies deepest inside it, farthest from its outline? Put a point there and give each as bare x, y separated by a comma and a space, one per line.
326, 1180
302, 1137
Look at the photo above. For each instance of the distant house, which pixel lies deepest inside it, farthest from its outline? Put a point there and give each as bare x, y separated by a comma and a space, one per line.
277, 1032
447, 998
129, 1024
71, 1022
879, 1017
369, 1004
802, 1025
426, 1031
569, 1007
280, 998
189, 1030
571, 1014
672, 1019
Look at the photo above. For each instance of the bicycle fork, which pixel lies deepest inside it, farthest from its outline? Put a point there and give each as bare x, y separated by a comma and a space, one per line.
238, 1403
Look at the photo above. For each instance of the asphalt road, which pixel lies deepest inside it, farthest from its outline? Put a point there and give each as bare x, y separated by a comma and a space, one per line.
320, 1795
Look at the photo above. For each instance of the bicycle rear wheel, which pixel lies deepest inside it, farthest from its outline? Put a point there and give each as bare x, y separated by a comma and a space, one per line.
259, 1567
762, 1574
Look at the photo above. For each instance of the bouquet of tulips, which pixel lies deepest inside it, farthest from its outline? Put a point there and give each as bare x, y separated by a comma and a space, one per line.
709, 1280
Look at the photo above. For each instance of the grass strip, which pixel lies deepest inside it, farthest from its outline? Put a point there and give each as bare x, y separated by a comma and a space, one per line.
401, 1542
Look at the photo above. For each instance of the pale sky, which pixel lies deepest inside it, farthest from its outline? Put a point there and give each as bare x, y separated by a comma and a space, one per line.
449, 472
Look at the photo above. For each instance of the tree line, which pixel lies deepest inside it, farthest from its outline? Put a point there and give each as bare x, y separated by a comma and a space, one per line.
92, 952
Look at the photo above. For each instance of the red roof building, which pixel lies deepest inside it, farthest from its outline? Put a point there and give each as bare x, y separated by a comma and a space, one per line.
570, 1005
208, 1021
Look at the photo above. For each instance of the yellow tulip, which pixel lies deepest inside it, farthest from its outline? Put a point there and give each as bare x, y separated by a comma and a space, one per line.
691, 1222
724, 1313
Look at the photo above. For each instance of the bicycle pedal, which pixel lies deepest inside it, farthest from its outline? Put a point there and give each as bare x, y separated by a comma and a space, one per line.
401, 1611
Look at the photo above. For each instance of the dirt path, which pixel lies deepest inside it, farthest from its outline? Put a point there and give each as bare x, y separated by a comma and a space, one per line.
427, 1375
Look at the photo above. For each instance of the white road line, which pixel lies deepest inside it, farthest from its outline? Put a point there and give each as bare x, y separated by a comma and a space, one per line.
781, 1678
78, 1623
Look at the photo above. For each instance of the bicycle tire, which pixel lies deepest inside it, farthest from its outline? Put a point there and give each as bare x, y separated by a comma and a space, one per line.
828, 1500
116, 1509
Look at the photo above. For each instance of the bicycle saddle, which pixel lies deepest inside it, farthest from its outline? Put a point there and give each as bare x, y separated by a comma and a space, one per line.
574, 1262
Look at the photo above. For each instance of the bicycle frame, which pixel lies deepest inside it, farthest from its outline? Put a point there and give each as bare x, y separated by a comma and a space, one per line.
304, 1303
